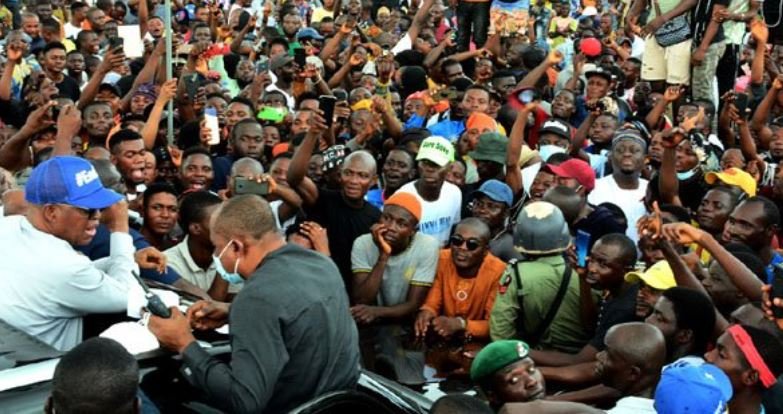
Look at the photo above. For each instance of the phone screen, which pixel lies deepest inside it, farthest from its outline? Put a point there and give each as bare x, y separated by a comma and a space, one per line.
247, 186
300, 58
326, 104
582, 242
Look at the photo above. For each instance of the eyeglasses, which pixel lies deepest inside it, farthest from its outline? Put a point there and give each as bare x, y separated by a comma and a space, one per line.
88, 212
470, 244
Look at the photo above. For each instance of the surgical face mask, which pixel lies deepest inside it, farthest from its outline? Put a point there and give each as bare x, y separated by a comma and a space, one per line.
686, 174
232, 278
546, 151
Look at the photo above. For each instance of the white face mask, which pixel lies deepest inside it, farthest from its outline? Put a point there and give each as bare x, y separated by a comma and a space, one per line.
546, 151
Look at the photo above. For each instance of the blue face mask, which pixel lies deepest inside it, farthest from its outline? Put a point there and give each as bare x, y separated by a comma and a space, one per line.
232, 278
682, 176
546, 151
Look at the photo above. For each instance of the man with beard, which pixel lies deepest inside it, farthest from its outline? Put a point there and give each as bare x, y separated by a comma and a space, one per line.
686, 318
393, 267
398, 169
344, 214
74, 63
53, 63
753, 223
160, 212
196, 171
491, 204
97, 119
246, 140
127, 154
284, 68
47, 298
625, 187
466, 282
652, 283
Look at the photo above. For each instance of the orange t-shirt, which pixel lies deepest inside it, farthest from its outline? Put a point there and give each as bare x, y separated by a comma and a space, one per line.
472, 299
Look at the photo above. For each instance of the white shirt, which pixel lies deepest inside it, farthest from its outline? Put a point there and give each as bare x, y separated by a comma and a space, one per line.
179, 258
630, 201
71, 31
290, 101
46, 286
439, 216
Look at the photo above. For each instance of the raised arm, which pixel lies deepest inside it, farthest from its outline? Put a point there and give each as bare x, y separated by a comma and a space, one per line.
298, 168
516, 139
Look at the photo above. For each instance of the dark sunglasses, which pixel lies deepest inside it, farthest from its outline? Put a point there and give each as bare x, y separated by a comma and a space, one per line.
470, 244
88, 212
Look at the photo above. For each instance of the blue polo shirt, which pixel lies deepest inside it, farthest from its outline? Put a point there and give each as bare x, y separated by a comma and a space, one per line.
776, 260
99, 248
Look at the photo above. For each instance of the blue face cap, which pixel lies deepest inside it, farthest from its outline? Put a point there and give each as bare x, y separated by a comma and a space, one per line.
497, 191
308, 33
686, 387
68, 180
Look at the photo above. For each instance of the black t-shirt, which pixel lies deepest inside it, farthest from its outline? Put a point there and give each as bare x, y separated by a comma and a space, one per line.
343, 225
69, 88
701, 15
692, 190
613, 312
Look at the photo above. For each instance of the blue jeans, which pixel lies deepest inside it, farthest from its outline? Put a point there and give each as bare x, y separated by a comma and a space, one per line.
472, 18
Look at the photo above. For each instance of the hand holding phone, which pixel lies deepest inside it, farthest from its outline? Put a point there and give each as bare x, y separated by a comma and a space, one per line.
326, 104
582, 243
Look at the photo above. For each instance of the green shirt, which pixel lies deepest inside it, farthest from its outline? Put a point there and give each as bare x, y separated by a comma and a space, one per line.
540, 282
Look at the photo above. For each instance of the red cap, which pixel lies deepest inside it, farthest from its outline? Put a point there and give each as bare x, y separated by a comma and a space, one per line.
590, 46
280, 148
576, 169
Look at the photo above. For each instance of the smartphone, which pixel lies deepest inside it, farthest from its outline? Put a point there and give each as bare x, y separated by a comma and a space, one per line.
116, 43
300, 58
269, 113
326, 104
262, 66
193, 81
741, 102
527, 96
210, 115
777, 290
244, 185
582, 244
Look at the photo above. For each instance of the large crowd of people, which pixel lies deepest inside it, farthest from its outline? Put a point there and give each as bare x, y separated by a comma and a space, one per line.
566, 206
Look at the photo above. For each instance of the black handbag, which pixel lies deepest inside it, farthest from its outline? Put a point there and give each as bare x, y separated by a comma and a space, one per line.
674, 31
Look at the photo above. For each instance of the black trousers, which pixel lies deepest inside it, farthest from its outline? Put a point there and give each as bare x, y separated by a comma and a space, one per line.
472, 19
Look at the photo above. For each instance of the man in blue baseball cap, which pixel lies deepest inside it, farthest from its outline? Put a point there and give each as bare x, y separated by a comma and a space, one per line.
491, 204
45, 285
687, 387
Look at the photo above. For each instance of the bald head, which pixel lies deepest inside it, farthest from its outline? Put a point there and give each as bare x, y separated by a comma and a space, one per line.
363, 158
247, 167
478, 226
97, 153
642, 343
245, 216
632, 361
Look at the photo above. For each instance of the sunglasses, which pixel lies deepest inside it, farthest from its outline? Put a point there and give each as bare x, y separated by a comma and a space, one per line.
470, 244
88, 212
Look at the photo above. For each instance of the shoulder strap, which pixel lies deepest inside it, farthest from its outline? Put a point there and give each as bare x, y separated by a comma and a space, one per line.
550, 315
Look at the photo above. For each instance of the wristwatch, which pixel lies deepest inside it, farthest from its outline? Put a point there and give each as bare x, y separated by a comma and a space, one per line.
462, 322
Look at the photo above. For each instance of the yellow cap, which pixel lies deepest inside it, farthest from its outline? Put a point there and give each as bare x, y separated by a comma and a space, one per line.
734, 176
658, 276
